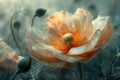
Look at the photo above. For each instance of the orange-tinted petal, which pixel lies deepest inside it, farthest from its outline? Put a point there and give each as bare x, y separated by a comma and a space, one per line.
85, 55
104, 24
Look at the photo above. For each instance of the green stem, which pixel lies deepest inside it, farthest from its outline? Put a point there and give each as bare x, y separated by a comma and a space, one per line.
33, 20
12, 32
62, 73
80, 71
16, 73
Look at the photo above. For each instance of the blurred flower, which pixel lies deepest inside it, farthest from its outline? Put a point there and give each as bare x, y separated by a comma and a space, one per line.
69, 38
8, 58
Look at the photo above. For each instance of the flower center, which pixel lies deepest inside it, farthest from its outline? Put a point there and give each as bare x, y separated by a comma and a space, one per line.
68, 38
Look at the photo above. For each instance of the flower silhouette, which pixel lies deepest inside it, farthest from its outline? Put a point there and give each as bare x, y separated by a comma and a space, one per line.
69, 38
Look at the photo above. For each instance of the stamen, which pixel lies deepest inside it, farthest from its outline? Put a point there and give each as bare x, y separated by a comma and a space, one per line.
68, 38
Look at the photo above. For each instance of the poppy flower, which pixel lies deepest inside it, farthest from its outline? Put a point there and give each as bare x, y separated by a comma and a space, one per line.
8, 58
69, 38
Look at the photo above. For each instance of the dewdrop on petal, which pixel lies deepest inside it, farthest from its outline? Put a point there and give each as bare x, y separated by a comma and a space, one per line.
69, 38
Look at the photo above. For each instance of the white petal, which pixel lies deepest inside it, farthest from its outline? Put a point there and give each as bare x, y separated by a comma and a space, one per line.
78, 50
100, 22
94, 40
61, 56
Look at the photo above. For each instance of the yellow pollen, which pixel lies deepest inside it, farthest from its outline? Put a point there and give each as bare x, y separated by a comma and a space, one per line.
68, 38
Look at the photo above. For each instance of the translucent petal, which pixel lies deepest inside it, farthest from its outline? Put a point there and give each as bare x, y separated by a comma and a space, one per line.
87, 47
42, 51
